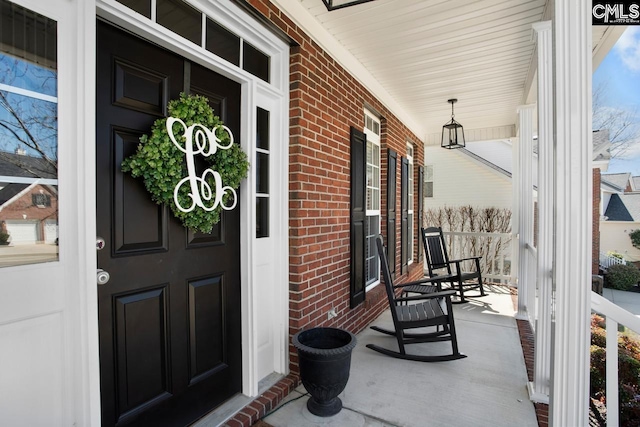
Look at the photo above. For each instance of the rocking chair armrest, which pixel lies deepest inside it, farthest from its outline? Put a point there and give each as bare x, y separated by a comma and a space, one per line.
441, 294
471, 258
424, 280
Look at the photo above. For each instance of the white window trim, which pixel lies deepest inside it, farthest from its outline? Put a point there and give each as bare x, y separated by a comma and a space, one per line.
375, 139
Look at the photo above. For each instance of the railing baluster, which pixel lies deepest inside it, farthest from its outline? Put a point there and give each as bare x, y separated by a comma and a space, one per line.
613, 407
615, 316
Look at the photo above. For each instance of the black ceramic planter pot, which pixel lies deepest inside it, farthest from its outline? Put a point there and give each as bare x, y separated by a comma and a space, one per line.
324, 356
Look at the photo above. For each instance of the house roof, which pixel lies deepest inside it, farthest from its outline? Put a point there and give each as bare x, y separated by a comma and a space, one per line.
10, 191
624, 207
618, 180
497, 155
635, 183
601, 145
24, 166
606, 186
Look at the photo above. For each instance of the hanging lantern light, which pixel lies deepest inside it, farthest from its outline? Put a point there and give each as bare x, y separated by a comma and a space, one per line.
339, 4
452, 132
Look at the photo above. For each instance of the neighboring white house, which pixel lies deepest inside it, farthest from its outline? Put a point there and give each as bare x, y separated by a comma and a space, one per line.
477, 175
620, 214
480, 174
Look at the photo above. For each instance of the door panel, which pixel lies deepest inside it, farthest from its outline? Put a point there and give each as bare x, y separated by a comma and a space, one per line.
170, 315
137, 225
141, 348
206, 327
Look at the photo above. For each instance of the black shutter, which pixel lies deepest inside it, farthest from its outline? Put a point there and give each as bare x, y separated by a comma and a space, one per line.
392, 168
358, 216
420, 206
404, 226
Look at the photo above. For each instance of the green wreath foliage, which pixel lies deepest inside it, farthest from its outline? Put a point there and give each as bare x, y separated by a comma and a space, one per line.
162, 165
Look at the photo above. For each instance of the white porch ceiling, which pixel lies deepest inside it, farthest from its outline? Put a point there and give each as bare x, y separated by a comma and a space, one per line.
423, 52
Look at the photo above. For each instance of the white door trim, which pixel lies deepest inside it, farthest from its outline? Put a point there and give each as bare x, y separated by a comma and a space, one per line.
253, 89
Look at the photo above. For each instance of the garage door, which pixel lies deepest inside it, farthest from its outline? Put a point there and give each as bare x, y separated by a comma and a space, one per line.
50, 231
22, 232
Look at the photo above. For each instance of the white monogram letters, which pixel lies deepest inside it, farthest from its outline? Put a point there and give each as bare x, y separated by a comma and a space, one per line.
200, 140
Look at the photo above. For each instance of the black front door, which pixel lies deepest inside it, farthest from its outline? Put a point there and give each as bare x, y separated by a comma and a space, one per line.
169, 317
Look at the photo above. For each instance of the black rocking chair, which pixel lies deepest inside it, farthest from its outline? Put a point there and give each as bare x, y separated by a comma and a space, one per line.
438, 259
428, 310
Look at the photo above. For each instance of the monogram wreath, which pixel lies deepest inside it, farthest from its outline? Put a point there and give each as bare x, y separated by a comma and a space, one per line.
166, 161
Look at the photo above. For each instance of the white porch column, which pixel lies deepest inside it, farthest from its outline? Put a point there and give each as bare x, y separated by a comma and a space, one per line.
515, 225
573, 211
526, 284
539, 387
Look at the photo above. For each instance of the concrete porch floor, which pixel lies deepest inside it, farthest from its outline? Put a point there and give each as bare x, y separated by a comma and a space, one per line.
487, 388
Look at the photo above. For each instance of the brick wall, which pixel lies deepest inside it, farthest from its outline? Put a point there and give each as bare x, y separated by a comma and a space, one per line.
325, 100
595, 245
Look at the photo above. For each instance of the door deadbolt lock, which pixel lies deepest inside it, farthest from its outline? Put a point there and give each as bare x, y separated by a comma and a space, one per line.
102, 277
100, 243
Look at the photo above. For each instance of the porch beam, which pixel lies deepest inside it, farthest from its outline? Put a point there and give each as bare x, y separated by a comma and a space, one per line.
573, 212
526, 263
539, 387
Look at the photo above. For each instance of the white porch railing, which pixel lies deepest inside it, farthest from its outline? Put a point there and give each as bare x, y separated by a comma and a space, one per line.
614, 316
607, 261
495, 249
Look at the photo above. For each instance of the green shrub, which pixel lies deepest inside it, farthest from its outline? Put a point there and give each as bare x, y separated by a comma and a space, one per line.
635, 238
4, 238
622, 277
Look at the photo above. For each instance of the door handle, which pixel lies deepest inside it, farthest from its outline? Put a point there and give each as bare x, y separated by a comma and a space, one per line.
102, 277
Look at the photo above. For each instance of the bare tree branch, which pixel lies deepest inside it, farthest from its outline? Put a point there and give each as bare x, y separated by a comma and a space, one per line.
624, 131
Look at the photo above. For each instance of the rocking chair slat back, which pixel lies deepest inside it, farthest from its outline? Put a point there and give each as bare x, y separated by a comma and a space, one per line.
437, 258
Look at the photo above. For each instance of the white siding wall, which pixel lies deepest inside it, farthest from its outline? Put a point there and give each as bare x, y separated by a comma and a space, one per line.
614, 236
460, 180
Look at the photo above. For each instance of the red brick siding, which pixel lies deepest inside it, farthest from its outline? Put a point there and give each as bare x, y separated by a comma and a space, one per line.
325, 100
527, 340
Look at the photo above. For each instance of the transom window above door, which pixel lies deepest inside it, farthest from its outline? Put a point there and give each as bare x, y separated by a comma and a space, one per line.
195, 26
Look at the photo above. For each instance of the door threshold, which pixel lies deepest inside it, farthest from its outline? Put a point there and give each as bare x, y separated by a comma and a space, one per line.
224, 412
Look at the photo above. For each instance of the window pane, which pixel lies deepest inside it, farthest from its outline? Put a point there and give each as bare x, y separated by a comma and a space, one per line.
428, 189
28, 137
428, 173
262, 217
180, 18
143, 7
263, 129
371, 256
255, 62
410, 243
262, 173
222, 42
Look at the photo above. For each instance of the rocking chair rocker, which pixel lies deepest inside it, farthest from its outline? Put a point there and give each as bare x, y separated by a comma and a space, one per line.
428, 310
